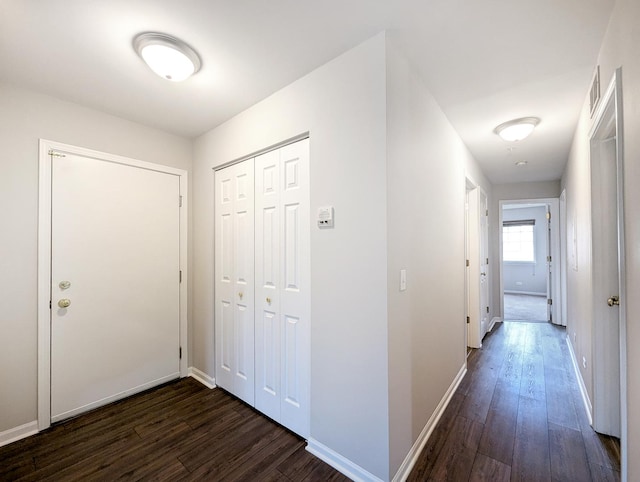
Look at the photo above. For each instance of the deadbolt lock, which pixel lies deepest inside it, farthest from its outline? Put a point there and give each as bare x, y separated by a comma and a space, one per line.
64, 303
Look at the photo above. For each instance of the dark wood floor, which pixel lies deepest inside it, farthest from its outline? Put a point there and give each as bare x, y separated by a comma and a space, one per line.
516, 416
180, 431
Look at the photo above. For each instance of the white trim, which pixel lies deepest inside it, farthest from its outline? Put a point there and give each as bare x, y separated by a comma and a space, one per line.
44, 262
340, 463
494, 320
17, 433
202, 377
532, 293
412, 457
583, 389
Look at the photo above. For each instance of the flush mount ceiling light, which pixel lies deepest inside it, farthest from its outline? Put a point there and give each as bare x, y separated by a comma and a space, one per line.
517, 129
167, 56
520, 163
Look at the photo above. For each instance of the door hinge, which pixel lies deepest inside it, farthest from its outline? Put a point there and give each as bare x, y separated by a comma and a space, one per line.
550, 301
487, 309
549, 215
467, 263
180, 276
468, 320
548, 259
486, 212
487, 260
180, 353
180, 201
53, 153
49, 304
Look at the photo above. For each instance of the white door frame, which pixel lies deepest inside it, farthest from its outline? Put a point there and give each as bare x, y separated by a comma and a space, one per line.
554, 251
564, 260
612, 98
44, 261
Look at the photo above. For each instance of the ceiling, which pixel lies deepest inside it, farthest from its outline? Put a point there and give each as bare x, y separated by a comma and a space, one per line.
485, 61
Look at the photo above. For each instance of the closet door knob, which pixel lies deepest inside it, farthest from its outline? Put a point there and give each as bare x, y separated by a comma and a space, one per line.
269, 300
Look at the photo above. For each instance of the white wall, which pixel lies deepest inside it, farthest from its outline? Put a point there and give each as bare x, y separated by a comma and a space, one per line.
533, 276
510, 192
342, 106
619, 48
24, 118
426, 166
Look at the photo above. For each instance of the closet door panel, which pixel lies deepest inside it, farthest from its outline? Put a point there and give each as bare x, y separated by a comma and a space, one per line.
295, 287
234, 279
267, 284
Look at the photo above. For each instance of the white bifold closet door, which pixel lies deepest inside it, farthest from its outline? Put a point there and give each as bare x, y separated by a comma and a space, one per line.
282, 286
262, 289
234, 279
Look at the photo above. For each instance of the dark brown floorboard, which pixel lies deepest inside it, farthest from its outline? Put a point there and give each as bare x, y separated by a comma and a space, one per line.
518, 415
179, 431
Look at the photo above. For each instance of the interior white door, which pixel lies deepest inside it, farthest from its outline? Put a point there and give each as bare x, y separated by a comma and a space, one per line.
282, 286
115, 245
606, 257
234, 279
474, 338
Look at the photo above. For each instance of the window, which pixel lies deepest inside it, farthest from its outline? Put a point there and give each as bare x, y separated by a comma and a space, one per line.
517, 241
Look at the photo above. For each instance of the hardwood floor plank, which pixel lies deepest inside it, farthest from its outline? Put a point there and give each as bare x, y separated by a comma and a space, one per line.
560, 408
459, 452
498, 437
429, 455
486, 469
603, 474
531, 447
568, 456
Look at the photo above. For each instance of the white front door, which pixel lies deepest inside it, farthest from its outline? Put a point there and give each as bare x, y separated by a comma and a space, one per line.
234, 279
115, 259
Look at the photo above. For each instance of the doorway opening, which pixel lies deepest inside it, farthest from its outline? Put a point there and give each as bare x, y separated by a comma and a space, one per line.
530, 261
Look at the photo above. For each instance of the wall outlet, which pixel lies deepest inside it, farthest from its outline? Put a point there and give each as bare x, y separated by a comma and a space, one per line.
584, 362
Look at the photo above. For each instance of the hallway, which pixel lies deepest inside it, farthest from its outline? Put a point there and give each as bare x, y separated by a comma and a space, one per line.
518, 415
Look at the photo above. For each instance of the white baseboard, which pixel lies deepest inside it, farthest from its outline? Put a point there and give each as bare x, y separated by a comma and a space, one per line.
532, 293
340, 463
583, 389
494, 320
202, 377
412, 457
17, 433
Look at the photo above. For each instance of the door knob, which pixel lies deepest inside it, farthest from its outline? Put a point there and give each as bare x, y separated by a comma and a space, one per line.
64, 285
269, 300
240, 295
64, 303
614, 300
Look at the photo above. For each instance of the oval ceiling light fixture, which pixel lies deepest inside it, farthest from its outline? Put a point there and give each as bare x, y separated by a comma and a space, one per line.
517, 129
520, 163
167, 56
